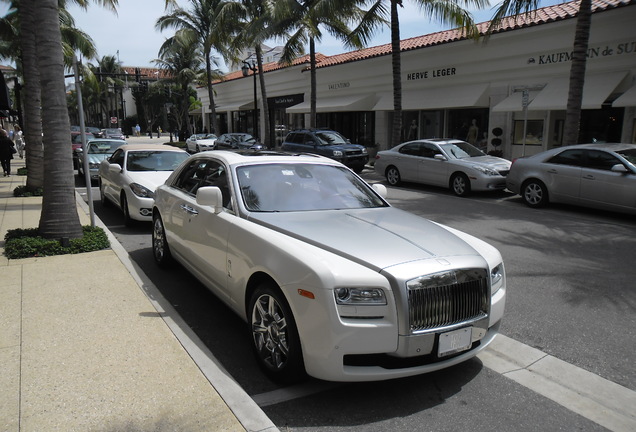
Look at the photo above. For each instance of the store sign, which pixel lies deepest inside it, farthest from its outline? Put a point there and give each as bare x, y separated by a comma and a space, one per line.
280, 102
339, 85
432, 73
622, 48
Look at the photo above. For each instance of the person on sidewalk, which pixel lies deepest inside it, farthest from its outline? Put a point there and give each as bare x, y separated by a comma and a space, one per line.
18, 139
6, 152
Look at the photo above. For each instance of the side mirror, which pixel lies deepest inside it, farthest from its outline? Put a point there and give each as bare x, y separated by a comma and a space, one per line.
114, 168
620, 168
380, 189
210, 196
440, 157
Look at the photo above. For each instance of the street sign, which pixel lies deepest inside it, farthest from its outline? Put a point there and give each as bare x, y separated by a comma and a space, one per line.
113, 120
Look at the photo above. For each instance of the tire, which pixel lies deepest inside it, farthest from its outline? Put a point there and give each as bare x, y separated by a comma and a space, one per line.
392, 175
460, 185
105, 201
197, 149
275, 339
160, 249
534, 193
128, 221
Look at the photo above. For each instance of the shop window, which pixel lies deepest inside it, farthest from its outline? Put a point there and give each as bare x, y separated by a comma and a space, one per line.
534, 132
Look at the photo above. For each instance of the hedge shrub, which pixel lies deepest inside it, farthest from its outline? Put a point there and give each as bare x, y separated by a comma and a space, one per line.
26, 243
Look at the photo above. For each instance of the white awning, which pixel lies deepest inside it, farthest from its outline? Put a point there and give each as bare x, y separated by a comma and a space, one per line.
438, 98
627, 99
336, 104
596, 90
239, 106
196, 111
513, 102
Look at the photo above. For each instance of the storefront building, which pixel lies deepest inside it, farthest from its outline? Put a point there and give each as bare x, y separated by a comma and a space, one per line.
507, 94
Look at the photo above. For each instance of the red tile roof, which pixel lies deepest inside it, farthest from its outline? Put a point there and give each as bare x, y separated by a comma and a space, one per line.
540, 16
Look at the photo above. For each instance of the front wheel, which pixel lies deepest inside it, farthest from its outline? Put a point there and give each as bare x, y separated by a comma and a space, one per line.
393, 176
275, 339
534, 193
460, 185
102, 195
160, 249
128, 221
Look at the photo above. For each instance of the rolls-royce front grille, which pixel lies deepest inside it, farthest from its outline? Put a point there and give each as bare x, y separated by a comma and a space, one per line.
447, 298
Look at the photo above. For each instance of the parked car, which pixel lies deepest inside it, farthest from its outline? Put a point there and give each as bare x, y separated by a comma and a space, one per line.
331, 279
328, 143
130, 176
592, 175
98, 149
76, 145
449, 163
97, 132
237, 141
114, 133
200, 142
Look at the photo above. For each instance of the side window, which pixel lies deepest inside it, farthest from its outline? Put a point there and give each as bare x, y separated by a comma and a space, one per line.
293, 138
117, 157
568, 157
429, 150
412, 149
190, 178
216, 175
598, 159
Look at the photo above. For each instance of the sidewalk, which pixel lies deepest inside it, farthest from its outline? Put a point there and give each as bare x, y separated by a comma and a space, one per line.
84, 348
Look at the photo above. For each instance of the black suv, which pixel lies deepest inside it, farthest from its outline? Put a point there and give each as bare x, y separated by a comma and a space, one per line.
329, 143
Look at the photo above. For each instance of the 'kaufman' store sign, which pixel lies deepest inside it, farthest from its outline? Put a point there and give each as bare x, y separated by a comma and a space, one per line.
604, 51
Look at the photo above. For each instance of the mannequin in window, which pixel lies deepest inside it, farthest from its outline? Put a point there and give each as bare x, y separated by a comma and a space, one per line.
473, 132
412, 131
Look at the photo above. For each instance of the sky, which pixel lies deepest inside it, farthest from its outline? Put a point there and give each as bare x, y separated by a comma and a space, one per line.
130, 34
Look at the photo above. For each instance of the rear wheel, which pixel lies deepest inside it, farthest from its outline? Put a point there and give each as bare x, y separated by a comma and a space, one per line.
275, 339
393, 176
160, 249
534, 193
460, 185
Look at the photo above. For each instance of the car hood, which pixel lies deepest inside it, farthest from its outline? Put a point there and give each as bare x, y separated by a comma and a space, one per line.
97, 158
149, 179
205, 141
492, 162
342, 147
378, 238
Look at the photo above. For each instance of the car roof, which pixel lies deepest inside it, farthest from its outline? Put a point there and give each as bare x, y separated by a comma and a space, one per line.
107, 140
602, 146
256, 156
146, 147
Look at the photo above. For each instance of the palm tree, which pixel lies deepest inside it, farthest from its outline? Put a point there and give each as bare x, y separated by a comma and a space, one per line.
202, 20
182, 61
305, 21
579, 58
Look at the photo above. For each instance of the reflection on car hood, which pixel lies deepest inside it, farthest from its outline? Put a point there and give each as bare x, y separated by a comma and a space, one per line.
97, 158
149, 179
378, 238
492, 162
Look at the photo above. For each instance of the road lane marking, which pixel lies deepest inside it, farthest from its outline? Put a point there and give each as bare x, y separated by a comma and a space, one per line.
597, 399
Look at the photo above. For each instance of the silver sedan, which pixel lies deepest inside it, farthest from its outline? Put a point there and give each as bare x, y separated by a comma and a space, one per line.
443, 162
592, 175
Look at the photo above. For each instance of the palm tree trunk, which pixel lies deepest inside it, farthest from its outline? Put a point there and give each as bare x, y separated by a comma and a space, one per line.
208, 69
312, 72
59, 218
396, 130
577, 74
32, 97
266, 137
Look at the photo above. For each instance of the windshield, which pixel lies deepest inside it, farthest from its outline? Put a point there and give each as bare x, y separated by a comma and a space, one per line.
302, 187
113, 131
461, 150
103, 147
330, 138
629, 154
154, 160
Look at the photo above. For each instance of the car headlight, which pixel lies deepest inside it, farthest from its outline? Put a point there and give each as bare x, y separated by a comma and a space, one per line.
141, 191
364, 150
360, 296
496, 278
337, 153
486, 171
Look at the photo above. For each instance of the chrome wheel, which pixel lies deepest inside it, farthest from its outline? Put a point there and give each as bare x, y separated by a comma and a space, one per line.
274, 336
124, 207
160, 250
535, 193
393, 176
460, 185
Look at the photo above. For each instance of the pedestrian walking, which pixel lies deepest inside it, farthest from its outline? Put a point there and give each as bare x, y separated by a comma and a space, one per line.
18, 139
6, 152
159, 132
137, 130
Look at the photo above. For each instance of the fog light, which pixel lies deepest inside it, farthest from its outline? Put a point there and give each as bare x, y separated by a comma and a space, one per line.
145, 212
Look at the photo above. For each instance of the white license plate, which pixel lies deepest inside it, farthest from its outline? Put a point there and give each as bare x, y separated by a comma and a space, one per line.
454, 341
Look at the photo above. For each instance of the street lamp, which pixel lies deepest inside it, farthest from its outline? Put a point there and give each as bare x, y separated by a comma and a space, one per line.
247, 66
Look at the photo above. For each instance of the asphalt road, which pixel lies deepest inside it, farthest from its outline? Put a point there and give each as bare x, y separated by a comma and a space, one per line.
571, 294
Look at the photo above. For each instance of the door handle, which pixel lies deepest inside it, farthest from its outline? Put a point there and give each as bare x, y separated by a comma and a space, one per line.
589, 177
553, 171
189, 209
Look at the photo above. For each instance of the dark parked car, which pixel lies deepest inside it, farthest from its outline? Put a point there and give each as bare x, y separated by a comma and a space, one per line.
97, 132
114, 133
237, 141
327, 143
